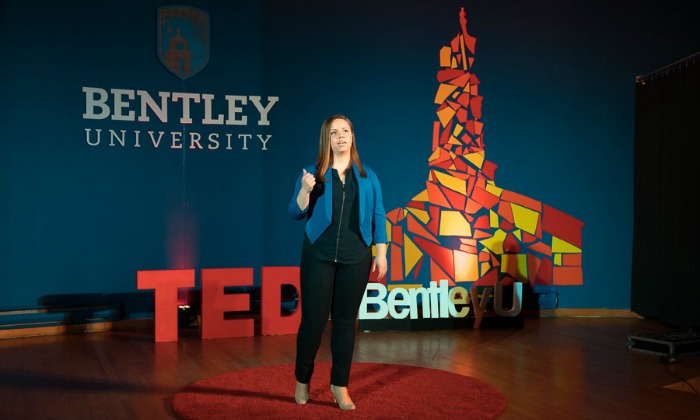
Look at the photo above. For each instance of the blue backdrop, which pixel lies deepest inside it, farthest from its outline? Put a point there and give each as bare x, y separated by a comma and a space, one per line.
79, 220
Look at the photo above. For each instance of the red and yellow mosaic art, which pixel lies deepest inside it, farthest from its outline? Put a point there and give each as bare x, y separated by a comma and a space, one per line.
463, 227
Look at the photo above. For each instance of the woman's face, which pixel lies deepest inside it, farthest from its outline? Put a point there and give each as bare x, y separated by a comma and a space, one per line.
341, 137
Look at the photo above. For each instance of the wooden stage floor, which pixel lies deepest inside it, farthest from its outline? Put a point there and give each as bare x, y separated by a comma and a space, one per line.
551, 368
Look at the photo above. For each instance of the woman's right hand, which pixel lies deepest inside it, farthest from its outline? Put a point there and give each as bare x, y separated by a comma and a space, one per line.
307, 184
308, 181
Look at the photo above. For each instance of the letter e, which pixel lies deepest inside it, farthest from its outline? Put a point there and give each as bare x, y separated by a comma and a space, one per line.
215, 303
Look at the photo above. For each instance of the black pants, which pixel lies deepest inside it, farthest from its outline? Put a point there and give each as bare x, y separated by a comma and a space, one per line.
329, 288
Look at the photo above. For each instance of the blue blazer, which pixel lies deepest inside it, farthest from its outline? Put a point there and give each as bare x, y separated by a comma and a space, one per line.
372, 214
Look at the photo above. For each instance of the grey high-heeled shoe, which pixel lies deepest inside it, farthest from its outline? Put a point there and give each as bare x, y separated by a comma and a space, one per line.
301, 393
344, 405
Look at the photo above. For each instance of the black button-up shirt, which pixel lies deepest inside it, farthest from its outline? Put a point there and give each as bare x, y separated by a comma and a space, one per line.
342, 241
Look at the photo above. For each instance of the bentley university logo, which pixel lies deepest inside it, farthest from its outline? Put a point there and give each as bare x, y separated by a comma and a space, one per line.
183, 40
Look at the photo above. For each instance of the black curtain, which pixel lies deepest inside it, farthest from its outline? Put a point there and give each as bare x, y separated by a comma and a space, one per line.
666, 245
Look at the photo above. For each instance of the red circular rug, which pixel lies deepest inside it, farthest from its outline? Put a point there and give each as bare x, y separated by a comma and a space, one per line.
379, 391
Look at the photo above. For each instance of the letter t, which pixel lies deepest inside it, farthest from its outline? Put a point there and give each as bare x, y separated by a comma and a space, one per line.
165, 283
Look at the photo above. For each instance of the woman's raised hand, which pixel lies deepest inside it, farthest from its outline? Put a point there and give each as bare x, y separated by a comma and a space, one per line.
308, 181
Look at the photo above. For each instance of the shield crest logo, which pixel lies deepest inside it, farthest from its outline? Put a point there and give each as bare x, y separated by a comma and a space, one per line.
183, 40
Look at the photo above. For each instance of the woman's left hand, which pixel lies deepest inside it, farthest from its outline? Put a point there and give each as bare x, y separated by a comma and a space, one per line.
380, 264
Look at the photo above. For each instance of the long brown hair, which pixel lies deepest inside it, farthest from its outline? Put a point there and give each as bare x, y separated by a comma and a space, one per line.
324, 159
